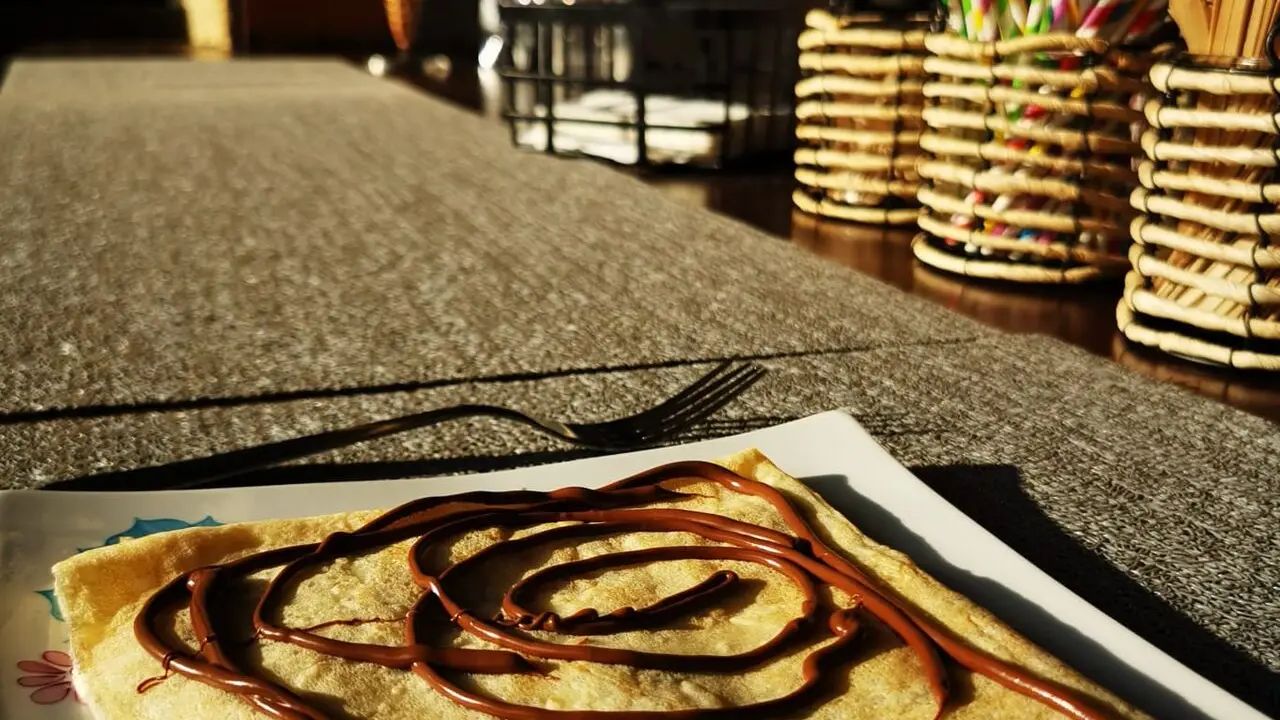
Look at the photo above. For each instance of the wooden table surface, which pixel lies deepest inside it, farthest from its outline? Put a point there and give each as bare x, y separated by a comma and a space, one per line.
1082, 316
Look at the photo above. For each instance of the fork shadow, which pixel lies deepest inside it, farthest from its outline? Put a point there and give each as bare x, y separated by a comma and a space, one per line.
318, 472
991, 495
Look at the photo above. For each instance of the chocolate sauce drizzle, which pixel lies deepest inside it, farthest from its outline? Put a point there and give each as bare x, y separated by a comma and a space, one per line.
619, 508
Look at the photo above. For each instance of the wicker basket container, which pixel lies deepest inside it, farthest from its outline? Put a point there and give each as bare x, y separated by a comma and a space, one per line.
858, 116
1034, 152
1204, 281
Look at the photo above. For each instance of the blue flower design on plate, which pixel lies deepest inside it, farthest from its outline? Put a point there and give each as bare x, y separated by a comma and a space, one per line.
54, 610
141, 527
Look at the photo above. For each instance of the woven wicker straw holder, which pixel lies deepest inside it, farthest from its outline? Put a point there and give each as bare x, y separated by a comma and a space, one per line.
1038, 202
1204, 281
858, 122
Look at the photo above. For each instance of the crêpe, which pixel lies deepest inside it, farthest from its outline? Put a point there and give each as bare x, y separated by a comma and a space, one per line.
104, 590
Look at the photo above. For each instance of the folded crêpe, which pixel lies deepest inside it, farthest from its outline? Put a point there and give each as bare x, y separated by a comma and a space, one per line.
827, 629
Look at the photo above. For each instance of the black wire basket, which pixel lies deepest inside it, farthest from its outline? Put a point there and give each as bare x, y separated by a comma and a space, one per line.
701, 83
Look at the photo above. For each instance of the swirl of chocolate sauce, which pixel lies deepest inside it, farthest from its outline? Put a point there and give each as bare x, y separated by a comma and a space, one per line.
616, 509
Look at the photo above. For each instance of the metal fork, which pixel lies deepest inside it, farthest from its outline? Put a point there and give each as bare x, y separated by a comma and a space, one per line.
690, 406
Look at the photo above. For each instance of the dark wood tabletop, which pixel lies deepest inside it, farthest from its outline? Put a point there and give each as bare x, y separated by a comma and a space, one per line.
1083, 316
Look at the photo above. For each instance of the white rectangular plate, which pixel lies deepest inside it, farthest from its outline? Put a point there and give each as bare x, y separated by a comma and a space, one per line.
830, 452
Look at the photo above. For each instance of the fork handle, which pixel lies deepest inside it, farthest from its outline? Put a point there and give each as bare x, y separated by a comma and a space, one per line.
194, 472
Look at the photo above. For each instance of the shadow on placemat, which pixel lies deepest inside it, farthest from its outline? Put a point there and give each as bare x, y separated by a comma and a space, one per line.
80, 412
991, 495
323, 472
301, 473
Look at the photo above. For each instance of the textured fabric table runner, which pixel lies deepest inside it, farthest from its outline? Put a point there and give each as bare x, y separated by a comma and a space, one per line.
218, 245
249, 265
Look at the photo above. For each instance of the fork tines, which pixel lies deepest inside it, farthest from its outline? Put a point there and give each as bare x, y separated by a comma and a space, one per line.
690, 406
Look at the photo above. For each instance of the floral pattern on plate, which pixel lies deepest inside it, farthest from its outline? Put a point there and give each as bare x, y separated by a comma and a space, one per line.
50, 676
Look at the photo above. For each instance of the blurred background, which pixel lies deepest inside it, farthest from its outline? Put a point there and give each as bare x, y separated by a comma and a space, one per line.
347, 27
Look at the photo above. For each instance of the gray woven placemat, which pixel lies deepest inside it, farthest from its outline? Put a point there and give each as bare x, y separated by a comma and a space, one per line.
178, 250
